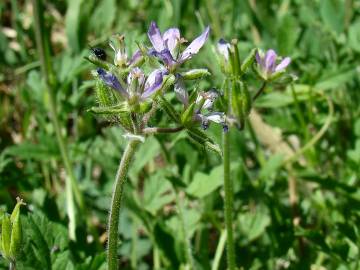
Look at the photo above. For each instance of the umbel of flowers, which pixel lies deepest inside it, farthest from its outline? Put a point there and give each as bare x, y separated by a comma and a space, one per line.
131, 89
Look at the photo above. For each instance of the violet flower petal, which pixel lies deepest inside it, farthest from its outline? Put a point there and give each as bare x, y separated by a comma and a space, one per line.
110, 80
153, 83
155, 37
259, 59
195, 46
270, 60
171, 39
283, 64
135, 57
165, 56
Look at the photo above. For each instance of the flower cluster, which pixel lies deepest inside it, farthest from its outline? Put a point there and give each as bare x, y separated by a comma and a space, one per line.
132, 88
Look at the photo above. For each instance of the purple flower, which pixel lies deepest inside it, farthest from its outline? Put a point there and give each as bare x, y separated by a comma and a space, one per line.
267, 64
166, 46
153, 83
136, 83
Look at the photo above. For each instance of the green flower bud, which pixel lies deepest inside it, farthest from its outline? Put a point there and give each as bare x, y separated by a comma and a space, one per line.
187, 115
5, 236
111, 110
168, 109
249, 60
104, 95
194, 74
240, 101
11, 233
203, 139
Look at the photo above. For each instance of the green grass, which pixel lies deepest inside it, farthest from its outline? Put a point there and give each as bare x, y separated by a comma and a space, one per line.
296, 201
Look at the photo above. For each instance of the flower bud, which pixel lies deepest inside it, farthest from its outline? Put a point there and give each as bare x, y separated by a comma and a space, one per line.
187, 115
223, 48
11, 233
104, 95
249, 60
194, 74
240, 101
5, 236
118, 45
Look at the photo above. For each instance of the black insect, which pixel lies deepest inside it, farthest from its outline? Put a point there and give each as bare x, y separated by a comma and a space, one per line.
99, 53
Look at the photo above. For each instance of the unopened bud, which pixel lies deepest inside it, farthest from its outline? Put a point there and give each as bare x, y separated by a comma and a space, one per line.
194, 74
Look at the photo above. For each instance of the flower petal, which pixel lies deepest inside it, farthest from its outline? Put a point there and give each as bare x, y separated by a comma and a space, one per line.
180, 91
270, 59
210, 98
136, 73
195, 46
153, 83
259, 58
283, 64
171, 39
110, 80
164, 56
223, 48
155, 37
135, 57
216, 117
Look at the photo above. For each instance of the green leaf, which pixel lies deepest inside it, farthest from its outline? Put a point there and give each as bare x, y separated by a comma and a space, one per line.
204, 184
271, 166
253, 224
332, 13
287, 35
146, 153
273, 100
165, 241
62, 261
354, 36
157, 192
104, 16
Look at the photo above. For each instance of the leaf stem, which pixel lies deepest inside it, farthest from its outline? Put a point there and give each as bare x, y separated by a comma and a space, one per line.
116, 203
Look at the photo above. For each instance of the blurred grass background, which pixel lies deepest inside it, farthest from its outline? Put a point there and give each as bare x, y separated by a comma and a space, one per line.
300, 214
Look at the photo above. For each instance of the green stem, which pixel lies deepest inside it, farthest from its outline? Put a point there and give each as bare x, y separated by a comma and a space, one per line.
116, 203
48, 74
228, 201
219, 251
12, 266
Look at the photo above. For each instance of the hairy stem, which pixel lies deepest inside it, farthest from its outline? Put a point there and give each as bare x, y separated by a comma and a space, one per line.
116, 203
228, 201
152, 130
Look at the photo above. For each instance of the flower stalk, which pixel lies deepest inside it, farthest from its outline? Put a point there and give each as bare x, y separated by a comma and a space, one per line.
118, 189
